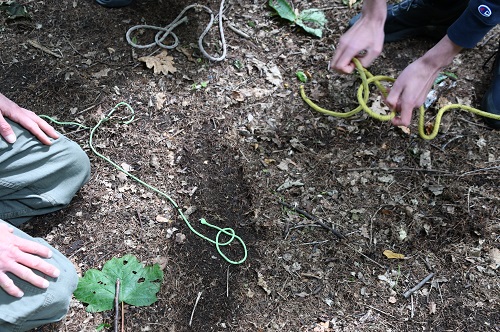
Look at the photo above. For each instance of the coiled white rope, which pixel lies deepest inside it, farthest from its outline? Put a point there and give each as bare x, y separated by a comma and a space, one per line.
164, 32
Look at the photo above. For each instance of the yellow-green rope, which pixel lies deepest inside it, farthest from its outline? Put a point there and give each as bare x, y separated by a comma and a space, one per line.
363, 93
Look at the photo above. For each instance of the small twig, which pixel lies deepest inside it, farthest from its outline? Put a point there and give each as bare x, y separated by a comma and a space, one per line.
333, 230
314, 243
322, 224
37, 45
401, 169
237, 31
313, 218
371, 223
468, 200
439, 290
412, 308
368, 258
427, 265
479, 170
287, 228
486, 40
88, 108
304, 225
123, 318
451, 140
227, 282
244, 155
310, 275
194, 308
381, 311
331, 8
302, 212
418, 286
117, 304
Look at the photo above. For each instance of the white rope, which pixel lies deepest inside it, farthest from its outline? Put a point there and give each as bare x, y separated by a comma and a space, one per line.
163, 33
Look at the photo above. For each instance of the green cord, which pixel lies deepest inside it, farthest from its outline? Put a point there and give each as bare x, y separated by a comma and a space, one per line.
227, 231
363, 91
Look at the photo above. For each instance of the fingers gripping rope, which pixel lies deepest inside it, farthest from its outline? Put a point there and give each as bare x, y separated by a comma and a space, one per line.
217, 242
363, 93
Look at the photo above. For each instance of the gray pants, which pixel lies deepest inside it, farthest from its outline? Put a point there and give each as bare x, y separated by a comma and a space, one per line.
36, 179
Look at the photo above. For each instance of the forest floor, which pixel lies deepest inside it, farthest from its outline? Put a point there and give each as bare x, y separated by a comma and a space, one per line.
233, 142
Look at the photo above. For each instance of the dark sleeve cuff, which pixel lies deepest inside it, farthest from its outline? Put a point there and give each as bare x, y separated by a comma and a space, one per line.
475, 22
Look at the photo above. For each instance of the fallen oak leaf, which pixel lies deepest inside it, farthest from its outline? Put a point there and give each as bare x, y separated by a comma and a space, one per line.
161, 63
392, 255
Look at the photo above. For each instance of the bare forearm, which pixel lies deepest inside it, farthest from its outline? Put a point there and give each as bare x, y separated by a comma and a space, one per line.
375, 10
442, 54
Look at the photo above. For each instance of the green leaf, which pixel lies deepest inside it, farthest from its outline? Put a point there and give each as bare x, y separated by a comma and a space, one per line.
138, 284
283, 9
237, 64
313, 21
301, 76
444, 75
102, 326
13, 9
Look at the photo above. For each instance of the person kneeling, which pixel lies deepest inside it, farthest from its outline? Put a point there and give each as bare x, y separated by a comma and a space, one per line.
40, 172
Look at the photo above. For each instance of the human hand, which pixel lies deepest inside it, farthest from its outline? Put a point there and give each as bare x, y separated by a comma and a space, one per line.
20, 257
410, 90
27, 119
413, 84
364, 40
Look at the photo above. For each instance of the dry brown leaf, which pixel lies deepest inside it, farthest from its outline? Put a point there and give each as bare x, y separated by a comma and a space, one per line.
161, 63
262, 283
405, 130
238, 96
187, 52
160, 218
393, 255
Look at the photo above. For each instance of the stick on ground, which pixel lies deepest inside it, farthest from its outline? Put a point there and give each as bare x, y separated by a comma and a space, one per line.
194, 308
117, 305
313, 218
417, 287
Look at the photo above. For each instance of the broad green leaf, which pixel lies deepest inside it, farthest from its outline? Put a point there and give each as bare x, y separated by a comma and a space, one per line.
316, 32
314, 16
138, 284
313, 21
283, 9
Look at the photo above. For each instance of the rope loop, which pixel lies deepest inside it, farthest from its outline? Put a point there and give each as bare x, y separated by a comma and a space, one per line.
227, 231
164, 32
362, 96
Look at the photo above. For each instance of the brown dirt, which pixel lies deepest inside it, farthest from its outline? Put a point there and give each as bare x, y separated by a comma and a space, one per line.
223, 155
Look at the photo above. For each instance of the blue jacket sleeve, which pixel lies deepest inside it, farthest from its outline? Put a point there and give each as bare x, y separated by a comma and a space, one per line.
475, 22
